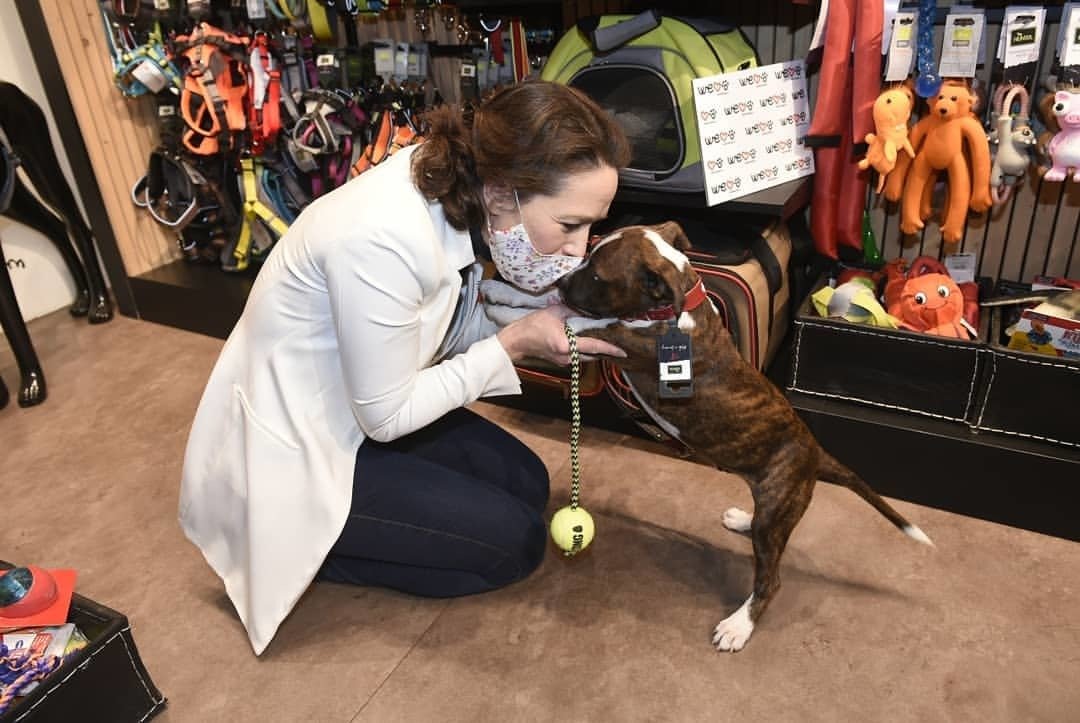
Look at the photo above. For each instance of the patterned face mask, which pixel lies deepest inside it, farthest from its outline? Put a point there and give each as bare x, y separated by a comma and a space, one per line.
521, 264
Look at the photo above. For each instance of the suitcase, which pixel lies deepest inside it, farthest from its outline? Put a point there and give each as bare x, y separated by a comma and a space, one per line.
748, 283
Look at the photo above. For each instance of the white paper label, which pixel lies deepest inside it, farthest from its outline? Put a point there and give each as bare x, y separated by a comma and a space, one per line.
1022, 31
1069, 43
256, 9
961, 267
384, 58
901, 54
150, 75
960, 50
401, 61
751, 126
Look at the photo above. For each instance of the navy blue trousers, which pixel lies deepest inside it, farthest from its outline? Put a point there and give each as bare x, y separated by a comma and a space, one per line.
453, 509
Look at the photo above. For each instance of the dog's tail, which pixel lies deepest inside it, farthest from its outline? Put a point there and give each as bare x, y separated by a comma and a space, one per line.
831, 470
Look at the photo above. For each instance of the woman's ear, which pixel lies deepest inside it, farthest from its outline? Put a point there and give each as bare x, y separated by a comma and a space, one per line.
499, 199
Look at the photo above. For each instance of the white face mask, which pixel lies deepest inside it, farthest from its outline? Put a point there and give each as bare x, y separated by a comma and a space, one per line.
521, 264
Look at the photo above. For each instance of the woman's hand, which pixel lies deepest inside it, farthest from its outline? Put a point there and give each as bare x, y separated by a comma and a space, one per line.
541, 334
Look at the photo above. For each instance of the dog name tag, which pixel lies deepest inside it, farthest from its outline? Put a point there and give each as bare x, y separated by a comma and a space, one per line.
674, 356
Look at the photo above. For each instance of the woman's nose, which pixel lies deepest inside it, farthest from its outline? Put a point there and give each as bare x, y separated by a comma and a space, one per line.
578, 243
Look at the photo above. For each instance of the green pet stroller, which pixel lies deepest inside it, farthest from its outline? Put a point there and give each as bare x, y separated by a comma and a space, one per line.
640, 68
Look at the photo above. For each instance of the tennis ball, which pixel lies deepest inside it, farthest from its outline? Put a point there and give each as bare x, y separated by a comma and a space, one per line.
572, 529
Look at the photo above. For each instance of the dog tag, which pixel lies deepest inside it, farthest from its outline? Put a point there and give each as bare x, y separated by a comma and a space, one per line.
674, 356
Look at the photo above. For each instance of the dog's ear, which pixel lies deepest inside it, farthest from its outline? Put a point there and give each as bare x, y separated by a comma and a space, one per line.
673, 233
664, 283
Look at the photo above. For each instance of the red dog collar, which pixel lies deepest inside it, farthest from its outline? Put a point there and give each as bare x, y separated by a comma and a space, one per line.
694, 298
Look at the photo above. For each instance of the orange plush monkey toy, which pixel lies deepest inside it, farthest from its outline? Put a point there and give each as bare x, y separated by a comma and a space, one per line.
892, 109
945, 139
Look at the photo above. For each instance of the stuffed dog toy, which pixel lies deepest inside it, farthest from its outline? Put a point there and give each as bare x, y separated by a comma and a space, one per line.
945, 139
640, 285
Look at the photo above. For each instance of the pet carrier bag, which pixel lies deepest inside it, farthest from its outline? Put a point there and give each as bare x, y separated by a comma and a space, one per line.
640, 69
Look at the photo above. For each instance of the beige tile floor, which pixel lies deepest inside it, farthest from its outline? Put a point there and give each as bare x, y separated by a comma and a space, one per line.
868, 627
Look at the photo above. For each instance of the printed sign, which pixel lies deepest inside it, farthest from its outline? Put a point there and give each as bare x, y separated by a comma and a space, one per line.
752, 124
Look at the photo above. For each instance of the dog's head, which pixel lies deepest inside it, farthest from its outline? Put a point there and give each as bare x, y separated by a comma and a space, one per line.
631, 271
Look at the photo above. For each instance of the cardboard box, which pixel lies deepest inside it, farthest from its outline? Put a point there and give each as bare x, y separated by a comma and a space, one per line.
1051, 328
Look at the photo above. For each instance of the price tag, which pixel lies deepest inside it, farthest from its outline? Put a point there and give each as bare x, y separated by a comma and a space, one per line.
401, 61
901, 53
256, 9
960, 50
1022, 35
150, 75
961, 267
384, 58
1069, 35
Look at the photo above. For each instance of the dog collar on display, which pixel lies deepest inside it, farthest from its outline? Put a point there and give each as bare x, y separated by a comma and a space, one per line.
694, 298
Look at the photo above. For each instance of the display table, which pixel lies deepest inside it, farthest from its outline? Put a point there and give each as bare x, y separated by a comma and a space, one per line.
105, 681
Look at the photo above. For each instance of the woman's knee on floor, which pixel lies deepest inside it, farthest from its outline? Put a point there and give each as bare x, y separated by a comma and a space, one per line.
524, 546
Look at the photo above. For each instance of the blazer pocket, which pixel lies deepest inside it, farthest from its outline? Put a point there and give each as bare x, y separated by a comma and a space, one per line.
253, 419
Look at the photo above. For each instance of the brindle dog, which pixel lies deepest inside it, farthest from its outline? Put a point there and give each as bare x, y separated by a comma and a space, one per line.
735, 418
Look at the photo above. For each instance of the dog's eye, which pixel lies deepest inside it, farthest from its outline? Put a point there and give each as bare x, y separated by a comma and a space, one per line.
652, 280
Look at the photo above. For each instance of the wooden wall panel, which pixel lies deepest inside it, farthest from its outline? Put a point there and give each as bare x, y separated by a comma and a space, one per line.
119, 132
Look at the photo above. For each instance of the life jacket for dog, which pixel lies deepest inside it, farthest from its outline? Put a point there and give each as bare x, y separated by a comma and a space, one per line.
212, 103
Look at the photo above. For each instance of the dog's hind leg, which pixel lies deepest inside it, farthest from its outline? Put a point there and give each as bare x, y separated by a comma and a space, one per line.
779, 504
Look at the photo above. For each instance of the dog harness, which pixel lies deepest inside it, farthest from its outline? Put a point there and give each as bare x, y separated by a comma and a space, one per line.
215, 87
261, 225
139, 69
265, 82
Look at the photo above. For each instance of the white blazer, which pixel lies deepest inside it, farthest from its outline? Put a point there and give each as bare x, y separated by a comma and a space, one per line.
335, 345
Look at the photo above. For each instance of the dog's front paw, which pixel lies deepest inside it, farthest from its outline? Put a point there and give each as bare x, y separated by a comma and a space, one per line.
733, 631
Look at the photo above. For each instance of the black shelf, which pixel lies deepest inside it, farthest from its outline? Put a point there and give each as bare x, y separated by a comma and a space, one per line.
780, 201
1000, 478
196, 297
993, 477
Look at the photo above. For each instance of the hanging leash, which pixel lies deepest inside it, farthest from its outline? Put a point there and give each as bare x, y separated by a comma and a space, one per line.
572, 528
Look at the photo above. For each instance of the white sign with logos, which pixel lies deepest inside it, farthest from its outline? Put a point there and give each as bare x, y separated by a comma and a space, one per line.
752, 124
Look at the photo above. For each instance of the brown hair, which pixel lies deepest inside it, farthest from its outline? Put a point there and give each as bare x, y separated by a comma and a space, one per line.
528, 136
